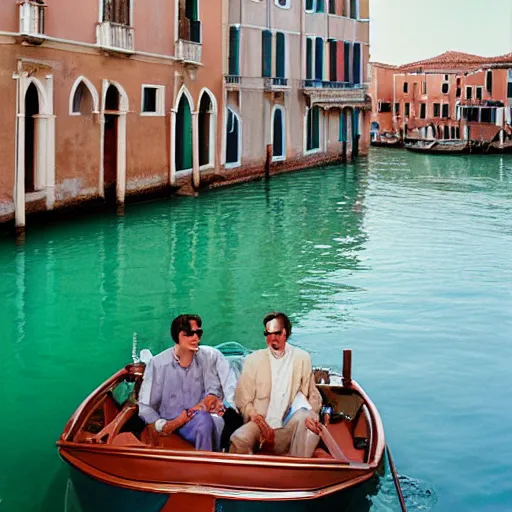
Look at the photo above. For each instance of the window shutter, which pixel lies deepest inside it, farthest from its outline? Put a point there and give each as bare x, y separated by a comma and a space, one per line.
347, 61
333, 60
309, 5
191, 9
488, 81
356, 73
319, 58
266, 53
277, 143
316, 127
309, 58
280, 55
343, 126
341, 61
234, 51
320, 5
355, 122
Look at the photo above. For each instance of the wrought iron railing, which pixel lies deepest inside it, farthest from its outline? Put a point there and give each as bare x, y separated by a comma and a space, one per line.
275, 82
325, 84
233, 79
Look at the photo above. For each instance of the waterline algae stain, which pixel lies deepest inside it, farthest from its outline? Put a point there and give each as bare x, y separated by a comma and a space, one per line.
404, 258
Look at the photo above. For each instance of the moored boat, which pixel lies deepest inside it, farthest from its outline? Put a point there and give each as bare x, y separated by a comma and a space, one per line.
386, 141
443, 147
115, 456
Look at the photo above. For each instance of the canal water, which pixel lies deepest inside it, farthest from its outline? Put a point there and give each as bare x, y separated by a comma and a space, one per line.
404, 258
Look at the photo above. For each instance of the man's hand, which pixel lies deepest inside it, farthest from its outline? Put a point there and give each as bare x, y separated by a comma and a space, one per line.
313, 425
176, 423
267, 433
210, 402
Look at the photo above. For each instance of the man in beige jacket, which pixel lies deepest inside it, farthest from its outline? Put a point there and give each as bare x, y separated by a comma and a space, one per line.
274, 382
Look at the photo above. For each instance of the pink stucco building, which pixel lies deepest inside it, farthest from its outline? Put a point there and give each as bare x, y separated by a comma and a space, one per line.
451, 96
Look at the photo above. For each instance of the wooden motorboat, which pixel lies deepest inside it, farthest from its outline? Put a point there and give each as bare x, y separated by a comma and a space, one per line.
441, 147
117, 460
497, 147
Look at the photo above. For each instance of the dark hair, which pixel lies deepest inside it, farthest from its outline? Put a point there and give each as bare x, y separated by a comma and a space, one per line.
182, 323
283, 318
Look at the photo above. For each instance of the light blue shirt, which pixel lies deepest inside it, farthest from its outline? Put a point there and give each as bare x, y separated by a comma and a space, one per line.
168, 388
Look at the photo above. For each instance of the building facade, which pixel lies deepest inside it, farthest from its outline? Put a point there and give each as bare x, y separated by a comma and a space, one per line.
108, 99
451, 96
296, 83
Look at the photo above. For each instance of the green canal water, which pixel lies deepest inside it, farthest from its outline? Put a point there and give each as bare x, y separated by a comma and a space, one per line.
404, 258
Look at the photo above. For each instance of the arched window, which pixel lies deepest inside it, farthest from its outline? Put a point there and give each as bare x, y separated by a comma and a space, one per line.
82, 100
313, 129
278, 134
233, 139
207, 129
183, 135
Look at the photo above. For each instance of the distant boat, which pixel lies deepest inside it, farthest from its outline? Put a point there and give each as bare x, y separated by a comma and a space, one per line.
386, 140
497, 147
443, 147
119, 464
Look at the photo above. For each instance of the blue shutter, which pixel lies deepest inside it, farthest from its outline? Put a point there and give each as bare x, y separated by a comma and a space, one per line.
280, 55
320, 5
309, 58
266, 53
319, 58
234, 51
356, 74
343, 126
347, 62
355, 123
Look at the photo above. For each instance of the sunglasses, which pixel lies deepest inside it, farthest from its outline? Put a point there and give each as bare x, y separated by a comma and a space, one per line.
277, 333
190, 332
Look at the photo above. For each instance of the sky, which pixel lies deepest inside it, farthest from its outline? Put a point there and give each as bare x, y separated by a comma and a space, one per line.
408, 30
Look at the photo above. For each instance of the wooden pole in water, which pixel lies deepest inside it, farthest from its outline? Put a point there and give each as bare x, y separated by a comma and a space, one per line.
396, 480
347, 367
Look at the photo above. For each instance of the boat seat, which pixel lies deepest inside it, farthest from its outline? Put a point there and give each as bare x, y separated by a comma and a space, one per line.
126, 439
341, 433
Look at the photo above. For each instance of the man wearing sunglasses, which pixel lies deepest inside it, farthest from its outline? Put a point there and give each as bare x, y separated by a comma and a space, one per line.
277, 396
181, 390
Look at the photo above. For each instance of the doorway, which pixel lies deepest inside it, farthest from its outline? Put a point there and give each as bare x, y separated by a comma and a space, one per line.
31, 110
110, 145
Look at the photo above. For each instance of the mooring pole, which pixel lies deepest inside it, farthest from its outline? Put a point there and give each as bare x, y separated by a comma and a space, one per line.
347, 367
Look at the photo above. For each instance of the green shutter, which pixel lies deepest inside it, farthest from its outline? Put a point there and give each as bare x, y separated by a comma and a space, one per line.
316, 127
280, 55
355, 122
234, 51
277, 142
309, 5
184, 136
191, 9
320, 5
319, 58
309, 58
343, 126
266, 53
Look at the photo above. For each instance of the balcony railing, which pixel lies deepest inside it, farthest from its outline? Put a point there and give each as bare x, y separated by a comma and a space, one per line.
324, 84
115, 36
233, 79
31, 18
275, 82
189, 51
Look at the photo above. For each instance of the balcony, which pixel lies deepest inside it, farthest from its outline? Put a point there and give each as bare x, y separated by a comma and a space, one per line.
275, 84
232, 82
32, 20
335, 94
189, 51
114, 36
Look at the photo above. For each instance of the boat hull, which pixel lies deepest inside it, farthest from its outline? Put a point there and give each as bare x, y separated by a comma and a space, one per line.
93, 495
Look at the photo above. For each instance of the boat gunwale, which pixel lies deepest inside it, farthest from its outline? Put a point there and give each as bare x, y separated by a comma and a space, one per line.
375, 453
219, 492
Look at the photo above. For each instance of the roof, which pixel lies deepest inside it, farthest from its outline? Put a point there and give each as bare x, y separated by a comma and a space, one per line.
450, 61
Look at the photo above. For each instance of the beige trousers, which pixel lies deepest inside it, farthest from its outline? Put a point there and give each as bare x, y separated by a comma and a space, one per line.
293, 439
